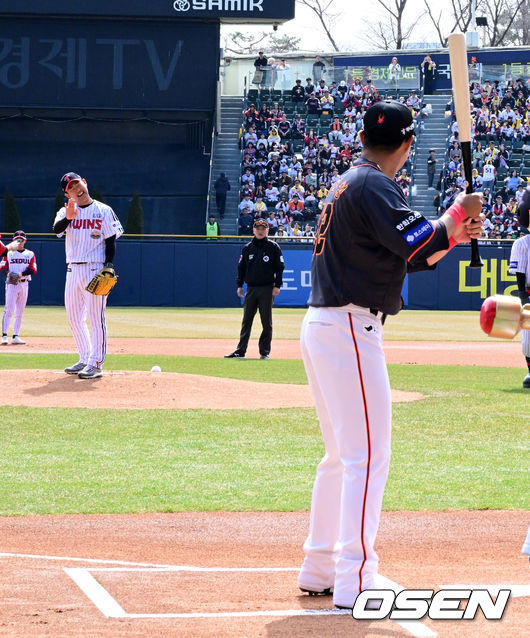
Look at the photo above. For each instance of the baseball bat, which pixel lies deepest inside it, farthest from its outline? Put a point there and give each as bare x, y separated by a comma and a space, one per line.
460, 81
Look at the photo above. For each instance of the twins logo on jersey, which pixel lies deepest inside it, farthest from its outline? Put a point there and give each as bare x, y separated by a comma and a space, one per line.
86, 224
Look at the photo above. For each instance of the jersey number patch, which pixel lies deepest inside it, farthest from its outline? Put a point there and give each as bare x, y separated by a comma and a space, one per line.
323, 226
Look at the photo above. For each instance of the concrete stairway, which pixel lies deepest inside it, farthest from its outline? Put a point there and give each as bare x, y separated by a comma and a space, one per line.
433, 135
227, 159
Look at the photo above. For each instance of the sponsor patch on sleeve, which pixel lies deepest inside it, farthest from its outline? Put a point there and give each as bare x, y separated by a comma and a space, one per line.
418, 233
408, 220
513, 264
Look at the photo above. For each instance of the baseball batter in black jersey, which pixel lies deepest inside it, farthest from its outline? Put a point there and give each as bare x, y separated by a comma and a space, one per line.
368, 239
261, 267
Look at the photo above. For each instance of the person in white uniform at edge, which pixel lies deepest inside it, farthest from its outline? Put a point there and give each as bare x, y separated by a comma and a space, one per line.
368, 239
91, 229
22, 264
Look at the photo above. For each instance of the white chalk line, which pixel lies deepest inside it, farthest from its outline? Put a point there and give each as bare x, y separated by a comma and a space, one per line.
110, 608
149, 566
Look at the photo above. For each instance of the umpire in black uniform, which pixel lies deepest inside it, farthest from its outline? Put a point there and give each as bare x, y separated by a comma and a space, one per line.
260, 266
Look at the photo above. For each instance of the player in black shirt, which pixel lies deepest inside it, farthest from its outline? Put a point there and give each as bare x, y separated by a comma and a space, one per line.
368, 239
260, 266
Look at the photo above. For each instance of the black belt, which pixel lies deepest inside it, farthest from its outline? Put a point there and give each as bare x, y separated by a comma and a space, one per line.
78, 263
375, 312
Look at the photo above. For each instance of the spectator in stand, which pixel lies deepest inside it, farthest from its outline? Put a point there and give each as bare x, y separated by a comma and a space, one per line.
251, 117
221, 187
327, 103
488, 174
394, 73
283, 75
250, 136
404, 182
478, 156
246, 202
476, 180
296, 209
503, 158
335, 134
281, 231
248, 178
311, 200
299, 127
272, 193
260, 77
519, 193
245, 222
284, 129
309, 87
414, 102
296, 231
309, 232
312, 104
513, 181
272, 220
431, 168
320, 88
342, 89
319, 69
498, 209
298, 95
504, 194
260, 208
310, 179
282, 209
428, 74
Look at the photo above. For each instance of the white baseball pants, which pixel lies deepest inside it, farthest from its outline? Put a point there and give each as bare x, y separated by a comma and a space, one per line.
343, 356
15, 302
82, 305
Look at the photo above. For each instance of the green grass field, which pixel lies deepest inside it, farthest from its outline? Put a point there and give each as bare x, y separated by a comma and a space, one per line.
465, 446
224, 323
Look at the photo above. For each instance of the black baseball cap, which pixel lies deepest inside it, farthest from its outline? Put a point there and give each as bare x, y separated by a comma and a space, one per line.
66, 179
260, 222
388, 123
19, 233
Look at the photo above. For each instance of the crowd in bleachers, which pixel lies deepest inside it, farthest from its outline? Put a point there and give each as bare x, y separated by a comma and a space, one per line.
500, 154
297, 142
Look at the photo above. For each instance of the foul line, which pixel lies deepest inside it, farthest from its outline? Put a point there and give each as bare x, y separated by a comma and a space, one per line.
150, 566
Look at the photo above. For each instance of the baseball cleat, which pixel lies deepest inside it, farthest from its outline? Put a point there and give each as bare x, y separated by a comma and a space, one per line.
90, 372
17, 341
234, 355
264, 356
526, 381
75, 368
323, 592
4, 340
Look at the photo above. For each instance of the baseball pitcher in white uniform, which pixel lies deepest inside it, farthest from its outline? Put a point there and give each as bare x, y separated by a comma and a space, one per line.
91, 229
20, 264
520, 267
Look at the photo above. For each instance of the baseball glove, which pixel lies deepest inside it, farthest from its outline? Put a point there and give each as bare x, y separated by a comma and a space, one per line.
12, 278
103, 282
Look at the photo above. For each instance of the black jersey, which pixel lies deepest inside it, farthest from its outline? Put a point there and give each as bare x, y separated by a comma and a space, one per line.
367, 240
261, 264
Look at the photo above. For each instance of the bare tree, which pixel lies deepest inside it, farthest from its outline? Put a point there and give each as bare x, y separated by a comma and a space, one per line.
321, 9
507, 20
390, 32
244, 43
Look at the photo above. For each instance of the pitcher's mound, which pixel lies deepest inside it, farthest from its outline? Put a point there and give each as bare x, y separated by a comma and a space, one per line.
153, 390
